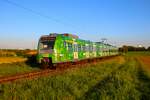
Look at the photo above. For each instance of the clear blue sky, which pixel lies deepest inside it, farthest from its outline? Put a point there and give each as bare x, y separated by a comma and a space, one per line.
120, 21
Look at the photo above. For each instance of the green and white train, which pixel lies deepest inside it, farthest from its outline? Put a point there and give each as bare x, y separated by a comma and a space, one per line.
59, 48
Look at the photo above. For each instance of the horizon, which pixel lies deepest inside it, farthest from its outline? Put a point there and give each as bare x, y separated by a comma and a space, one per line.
124, 22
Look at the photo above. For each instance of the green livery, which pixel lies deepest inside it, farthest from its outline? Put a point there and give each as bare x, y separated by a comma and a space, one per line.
58, 48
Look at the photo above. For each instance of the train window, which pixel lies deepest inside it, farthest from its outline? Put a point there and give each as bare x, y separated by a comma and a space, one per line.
75, 48
79, 48
94, 48
91, 48
65, 44
97, 49
86, 48
83, 48
45, 45
69, 47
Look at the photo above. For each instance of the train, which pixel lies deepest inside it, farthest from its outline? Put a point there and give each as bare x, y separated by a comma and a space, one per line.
60, 48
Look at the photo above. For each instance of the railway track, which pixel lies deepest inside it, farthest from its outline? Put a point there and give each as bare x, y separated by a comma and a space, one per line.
59, 69
32, 74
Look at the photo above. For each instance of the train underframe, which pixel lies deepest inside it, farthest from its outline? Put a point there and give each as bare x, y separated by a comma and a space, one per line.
47, 62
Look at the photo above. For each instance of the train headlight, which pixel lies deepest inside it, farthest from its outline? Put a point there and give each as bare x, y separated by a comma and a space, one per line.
61, 55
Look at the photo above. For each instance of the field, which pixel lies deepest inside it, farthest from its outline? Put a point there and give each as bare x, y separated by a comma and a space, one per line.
11, 59
125, 77
17, 61
15, 68
14, 65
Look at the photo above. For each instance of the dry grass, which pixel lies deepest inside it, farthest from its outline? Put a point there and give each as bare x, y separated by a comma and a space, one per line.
7, 53
11, 59
118, 59
145, 61
31, 52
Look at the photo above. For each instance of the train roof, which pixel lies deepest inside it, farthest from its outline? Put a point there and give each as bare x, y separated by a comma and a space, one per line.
73, 36
70, 35
64, 34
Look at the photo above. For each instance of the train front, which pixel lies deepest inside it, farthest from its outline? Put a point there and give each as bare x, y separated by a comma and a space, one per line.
46, 49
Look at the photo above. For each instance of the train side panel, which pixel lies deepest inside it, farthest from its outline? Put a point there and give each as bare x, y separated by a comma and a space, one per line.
68, 49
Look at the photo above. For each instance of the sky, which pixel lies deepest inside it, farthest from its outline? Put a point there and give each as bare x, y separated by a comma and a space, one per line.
121, 22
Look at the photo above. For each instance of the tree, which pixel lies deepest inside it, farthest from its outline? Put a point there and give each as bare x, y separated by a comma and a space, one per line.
148, 49
125, 49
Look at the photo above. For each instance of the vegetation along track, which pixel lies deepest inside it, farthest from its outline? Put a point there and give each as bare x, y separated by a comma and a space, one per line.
59, 69
128, 82
24, 75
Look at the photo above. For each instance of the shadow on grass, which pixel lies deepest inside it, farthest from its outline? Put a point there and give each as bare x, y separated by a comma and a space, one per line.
31, 61
144, 84
96, 92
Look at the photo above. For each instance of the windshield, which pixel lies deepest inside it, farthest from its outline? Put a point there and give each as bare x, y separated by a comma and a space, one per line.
46, 45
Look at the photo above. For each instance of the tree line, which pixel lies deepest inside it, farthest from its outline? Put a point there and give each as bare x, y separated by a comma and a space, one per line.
126, 48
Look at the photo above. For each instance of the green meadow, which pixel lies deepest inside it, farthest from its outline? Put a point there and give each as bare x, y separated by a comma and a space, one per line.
8, 69
123, 78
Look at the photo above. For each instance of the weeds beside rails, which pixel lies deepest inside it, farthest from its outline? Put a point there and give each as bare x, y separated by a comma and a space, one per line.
113, 80
72, 84
128, 82
9, 69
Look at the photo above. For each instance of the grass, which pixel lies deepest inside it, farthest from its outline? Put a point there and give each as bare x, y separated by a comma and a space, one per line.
143, 58
5, 53
14, 65
12, 59
138, 53
119, 85
72, 84
119, 79
14, 68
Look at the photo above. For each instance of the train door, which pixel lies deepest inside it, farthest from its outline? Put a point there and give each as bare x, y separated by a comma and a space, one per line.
75, 52
87, 50
94, 50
